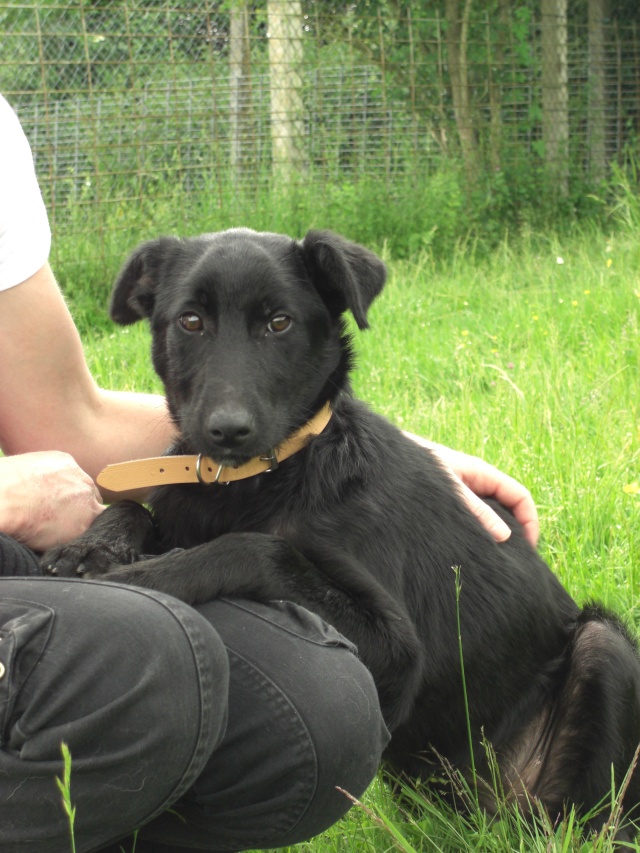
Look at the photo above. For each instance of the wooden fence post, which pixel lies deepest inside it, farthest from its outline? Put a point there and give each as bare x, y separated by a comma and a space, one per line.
285, 80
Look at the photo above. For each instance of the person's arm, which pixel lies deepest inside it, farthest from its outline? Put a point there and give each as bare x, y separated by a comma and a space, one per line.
478, 479
52, 412
50, 401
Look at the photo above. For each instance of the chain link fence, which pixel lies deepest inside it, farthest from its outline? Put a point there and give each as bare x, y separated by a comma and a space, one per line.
145, 100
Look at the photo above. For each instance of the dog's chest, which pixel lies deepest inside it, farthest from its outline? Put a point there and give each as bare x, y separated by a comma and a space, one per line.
187, 516
312, 492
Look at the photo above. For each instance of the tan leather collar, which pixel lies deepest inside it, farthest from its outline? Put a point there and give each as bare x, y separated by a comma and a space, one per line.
166, 470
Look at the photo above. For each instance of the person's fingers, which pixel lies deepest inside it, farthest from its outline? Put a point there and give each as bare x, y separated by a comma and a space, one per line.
526, 513
488, 482
477, 479
492, 522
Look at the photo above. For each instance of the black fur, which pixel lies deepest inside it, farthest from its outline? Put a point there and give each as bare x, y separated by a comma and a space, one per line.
362, 526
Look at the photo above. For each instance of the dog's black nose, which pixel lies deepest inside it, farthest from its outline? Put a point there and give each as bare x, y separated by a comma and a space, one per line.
231, 426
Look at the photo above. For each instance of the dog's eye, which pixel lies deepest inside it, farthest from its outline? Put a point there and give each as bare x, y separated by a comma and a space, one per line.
191, 322
279, 323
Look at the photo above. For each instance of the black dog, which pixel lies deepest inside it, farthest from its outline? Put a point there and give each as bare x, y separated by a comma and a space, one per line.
361, 526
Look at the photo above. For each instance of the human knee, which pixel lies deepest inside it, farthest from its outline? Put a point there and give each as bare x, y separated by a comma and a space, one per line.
349, 737
136, 685
163, 656
304, 722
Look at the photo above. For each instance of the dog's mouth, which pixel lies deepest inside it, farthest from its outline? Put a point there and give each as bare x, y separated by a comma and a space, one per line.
241, 447
230, 455
232, 450
233, 459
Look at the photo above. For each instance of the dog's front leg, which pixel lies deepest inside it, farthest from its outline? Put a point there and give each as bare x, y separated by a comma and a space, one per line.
264, 567
121, 534
250, 565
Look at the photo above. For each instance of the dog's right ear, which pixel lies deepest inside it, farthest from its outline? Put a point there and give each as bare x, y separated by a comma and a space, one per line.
346, 275
133, 294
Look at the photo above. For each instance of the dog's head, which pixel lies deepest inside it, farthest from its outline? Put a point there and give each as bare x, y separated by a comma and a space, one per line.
248, 336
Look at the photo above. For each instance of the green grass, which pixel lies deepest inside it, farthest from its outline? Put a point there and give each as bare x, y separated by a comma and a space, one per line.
64, 786
533, 364
412, 210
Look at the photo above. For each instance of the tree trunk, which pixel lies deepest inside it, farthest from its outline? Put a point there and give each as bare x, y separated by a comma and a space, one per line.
555, 91
457, 36
597, 82
496, 60
285, 82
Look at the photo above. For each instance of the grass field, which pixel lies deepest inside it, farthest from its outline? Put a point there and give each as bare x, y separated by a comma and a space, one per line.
529, 358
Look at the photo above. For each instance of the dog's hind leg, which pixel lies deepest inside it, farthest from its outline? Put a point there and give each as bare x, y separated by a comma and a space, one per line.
588, 738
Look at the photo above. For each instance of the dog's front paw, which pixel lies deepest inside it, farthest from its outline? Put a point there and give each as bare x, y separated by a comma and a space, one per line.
84, 558
117, 536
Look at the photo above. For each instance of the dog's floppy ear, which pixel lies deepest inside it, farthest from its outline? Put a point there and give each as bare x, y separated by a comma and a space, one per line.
347, 276
133, 294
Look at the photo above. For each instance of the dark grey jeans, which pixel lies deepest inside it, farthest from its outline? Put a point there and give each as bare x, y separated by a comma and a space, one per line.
224, 728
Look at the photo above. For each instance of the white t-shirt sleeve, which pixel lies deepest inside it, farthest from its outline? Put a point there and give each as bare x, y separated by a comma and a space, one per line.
25, 236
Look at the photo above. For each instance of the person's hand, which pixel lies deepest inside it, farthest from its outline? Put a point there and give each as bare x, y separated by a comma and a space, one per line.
46, 499
478, 479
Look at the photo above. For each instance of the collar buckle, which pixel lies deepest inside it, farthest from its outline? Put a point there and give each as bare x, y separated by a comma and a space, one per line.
272, 459
216, 479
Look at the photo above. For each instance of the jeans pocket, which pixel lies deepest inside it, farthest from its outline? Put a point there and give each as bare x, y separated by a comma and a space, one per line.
25, 627
296, 620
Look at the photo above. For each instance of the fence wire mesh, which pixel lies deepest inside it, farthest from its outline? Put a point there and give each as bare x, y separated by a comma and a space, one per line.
137, 99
